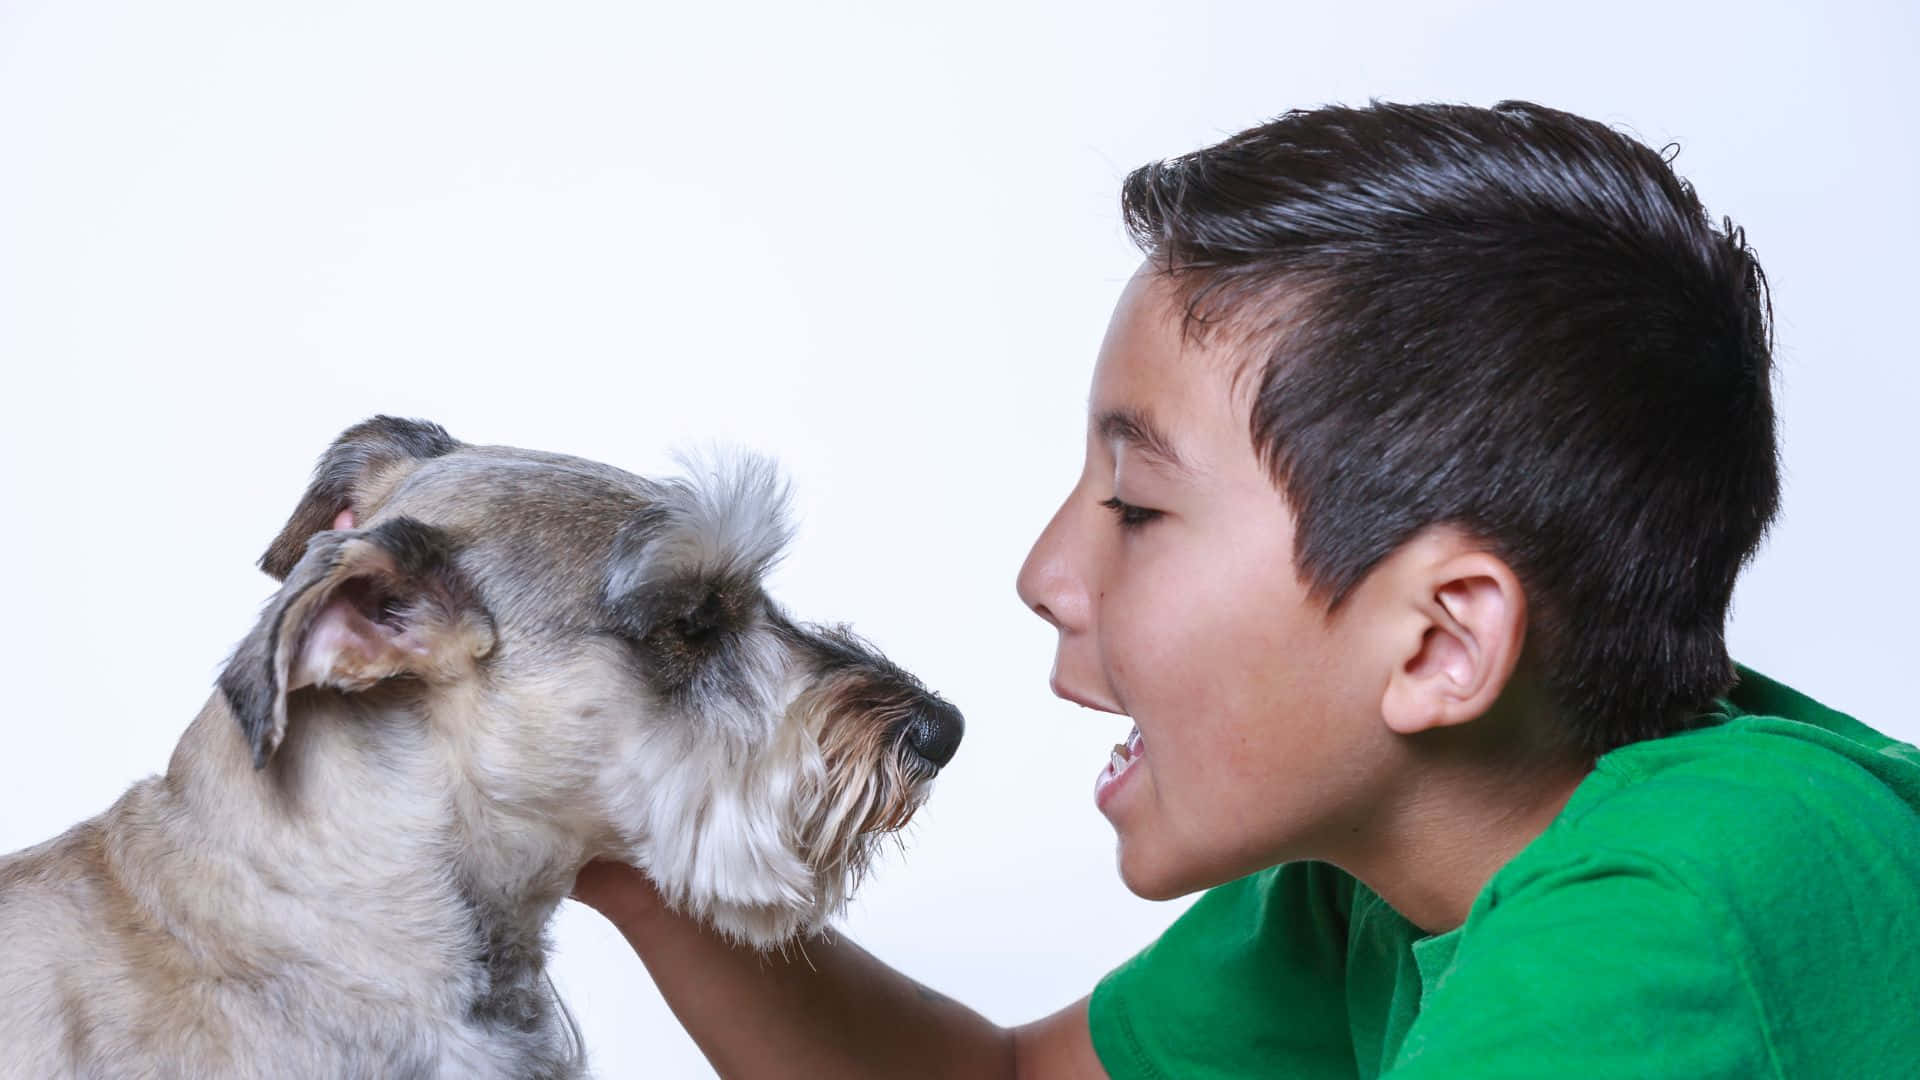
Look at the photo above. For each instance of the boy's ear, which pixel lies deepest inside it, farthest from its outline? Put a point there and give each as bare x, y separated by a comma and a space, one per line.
1461, 640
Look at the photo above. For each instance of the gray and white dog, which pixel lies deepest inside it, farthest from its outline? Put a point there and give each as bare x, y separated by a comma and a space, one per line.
485, 667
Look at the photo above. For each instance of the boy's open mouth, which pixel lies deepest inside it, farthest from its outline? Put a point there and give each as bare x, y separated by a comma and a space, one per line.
1124, 753
1122, 758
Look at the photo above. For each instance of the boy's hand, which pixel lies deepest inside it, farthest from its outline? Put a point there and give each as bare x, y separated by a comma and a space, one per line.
620, 892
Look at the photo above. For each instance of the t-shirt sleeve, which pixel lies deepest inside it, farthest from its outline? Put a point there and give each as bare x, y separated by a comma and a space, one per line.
1249, 982
1605, 965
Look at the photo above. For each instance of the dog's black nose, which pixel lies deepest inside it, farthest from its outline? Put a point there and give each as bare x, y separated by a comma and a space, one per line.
935, 732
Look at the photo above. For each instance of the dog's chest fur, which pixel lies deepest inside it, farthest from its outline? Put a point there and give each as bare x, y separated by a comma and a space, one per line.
157, 952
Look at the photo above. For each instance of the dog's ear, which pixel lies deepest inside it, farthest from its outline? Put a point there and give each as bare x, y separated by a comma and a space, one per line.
359, 467
358, 608
685, 577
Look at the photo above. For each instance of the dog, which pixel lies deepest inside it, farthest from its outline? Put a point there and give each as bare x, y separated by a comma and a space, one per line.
484, 667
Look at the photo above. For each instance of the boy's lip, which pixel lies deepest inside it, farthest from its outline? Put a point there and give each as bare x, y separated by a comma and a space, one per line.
1061, 690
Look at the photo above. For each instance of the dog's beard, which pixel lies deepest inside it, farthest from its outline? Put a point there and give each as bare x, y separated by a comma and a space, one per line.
767, 843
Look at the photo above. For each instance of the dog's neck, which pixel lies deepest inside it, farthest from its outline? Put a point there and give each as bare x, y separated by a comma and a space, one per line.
360, 831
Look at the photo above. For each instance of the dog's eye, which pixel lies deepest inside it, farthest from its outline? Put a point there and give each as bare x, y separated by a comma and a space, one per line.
693, 629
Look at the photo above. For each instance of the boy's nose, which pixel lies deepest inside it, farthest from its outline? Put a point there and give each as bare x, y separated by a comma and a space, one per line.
1045, 583
1041, 595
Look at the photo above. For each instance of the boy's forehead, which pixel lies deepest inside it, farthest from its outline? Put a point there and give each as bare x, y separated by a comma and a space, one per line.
1158, 390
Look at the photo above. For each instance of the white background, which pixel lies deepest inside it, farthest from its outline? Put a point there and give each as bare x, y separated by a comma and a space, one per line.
880, 244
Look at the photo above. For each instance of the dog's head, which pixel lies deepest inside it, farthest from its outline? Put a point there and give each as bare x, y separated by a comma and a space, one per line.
596, 657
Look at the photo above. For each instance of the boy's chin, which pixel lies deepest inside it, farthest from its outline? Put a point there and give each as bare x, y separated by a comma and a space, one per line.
1151, 875
1161, 867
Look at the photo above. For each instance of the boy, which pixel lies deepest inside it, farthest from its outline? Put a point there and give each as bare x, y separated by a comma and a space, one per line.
1423, 453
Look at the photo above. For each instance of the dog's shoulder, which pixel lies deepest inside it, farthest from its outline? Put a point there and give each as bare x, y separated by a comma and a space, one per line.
49, 903
54, 877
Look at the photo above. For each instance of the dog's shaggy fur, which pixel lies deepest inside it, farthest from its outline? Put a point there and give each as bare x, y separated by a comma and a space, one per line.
485, 667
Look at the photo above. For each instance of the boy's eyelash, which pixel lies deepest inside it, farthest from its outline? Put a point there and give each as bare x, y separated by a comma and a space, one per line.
1131, 516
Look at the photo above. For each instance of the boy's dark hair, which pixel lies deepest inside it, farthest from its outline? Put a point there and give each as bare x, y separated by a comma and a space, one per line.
1511, 320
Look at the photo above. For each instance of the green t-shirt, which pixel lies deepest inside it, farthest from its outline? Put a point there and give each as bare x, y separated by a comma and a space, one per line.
1741, 900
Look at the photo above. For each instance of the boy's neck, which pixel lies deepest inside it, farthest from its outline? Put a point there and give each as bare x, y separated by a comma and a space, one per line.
1461, 810
1440, 867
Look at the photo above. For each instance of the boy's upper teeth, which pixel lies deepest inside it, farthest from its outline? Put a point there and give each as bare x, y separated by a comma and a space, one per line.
1119, 758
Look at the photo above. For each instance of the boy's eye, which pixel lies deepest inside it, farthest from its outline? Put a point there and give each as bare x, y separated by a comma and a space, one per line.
1131, 516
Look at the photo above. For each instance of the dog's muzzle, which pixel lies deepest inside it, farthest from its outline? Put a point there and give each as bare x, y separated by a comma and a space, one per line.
934, 732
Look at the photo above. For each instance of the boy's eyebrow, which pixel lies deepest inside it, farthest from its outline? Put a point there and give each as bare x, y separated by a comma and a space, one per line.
1136, 428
